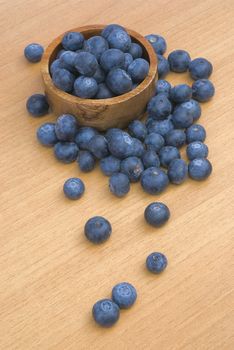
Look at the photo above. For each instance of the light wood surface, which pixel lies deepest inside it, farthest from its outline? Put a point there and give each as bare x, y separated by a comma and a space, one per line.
50, 276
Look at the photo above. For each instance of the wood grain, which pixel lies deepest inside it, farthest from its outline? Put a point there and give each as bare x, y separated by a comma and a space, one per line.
50, 276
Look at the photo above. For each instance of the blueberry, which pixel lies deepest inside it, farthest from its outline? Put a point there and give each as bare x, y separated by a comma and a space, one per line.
193, 108
176, 138
118, 81
33, 52
84, 135
154, 180
109, 29
56, 64
97, 229
200, 68
157, 214
110, 132
73, 41
119, 39
156, 262
60, 52
105, 312
195, 132
120, 144
37, 105
135, 50
158, 43
162, 86
138, 69
86, 63
159, 107
177, 171
179, 61
66, 127
66, 152
119, 184
103, 92
85, 87
163, 66
98, 146
161, 127
99, 75
73, 188
110, 165
124, 295
46, 134
127, 61
199, 169
67, 61
112, 58
132, 167
154, 141
167, 154
150, 159
203, 90
96, 45
181, 93
137, 129
86, 161
63, 79
182, 118
197, 149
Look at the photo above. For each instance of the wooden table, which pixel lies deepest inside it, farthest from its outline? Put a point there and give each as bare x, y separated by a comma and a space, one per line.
50, 274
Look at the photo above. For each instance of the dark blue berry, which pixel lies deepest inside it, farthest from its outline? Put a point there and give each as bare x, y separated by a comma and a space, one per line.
197, 149
137, 148
96, 45
181, 93
167, 154
119, 81
127, 61
176, 138
66, 152
150, 159
73, 188
157, 214
86, 63
154, 142
138, 70
84, 135
199, 169
119, 184
159, 107
137, 129
103, 92
156, 262
135, 50
182, 118
99, 75
67, 61
132, 167
203, 90
98, 146
119, 39
120, 144
33, 52
177, 171
163, 66
110, 165
86, 161
105, 312
46, 134
56, 64
192, 107
63, 79
179, 61
73, 41
158, 43
162, 86
200, 68
109, 29
124, 295
60, 52
97, 229
161, 127
66, 127
112, 58
154, 180
37, 105
85, 87
195, 132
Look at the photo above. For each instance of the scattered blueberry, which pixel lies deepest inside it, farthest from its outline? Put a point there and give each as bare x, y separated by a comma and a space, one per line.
63, 79
66, 127
137, 148
150, 159
86, 161
196, 149
158, 43
182, 118
162, 86
192, 107
110, 165
176, 138
119, 184
195, 132
167, 154
157, 214
105, 312
124, 295
156, 262
159, 107
73, 188
161, 127
119, 39
132, 167
46, 134
73, 41
200, 68
98, 146
84, 135
154, 180
66, 152
203, 90
154, 142
85, 87
163, 66
138, 70
97, 229
135, 50
181, 93
120, 144
33, 52
177, 171
119, 81
179, 61
137, 129
37, 105
96, 45
199, 169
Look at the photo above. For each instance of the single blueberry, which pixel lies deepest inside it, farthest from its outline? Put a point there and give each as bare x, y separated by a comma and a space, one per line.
159, 107
193, 108
84, 135
112, 58
181, 93
156, 262
66, 152
105, 312
46, 134
124, 295
203, 90
86, 161
132, 167
182, 118
60, 52
110, 132
103, 92
176, 138
138, 69
73, 188
137, 129
86, 63
98, 146
127, 61
120, 144
119, 39
154, 180
157, 214
73, 41
110, 165
66, 127
161, 127
199, 169
97, 229
158, 42
99, 75
200, 68
150, 159
179, 61
163, 66
177, 171
67, 61
138, 148
63, 79
162, 86
195, 132
56, 64
33, 52
85, 87
109, 29
119, 81
119, 184
96, 45
135, 50
154, 141
37, 105
167, 154
197, 149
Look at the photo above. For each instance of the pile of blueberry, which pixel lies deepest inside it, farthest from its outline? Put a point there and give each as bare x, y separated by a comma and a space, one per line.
148, 151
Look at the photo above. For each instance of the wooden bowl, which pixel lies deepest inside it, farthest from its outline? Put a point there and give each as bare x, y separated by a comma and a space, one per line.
104, 113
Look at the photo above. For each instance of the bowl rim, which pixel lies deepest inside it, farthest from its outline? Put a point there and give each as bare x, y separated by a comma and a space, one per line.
107, 101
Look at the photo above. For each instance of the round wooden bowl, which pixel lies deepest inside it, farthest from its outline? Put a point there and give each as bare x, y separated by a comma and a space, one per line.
104, 113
